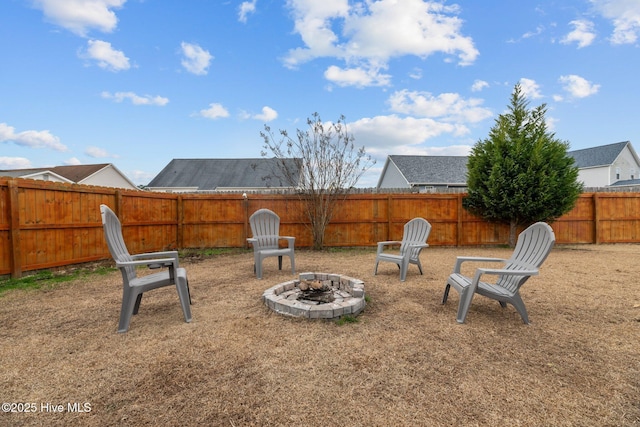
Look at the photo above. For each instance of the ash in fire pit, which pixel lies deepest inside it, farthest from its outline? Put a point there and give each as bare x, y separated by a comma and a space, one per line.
317, 296
315, 290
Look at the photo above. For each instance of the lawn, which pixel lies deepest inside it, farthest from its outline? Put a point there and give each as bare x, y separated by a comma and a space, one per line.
405, 362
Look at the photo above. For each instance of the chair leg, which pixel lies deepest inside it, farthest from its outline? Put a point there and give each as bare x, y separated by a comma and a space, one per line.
419, 266
137, 306
403, 270
375, 270
129, 304
292, 259
257, 265
182, 285
445, 296
280, 263
466, 295
519, 306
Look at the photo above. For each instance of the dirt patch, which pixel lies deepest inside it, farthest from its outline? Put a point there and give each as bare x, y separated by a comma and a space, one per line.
405, 362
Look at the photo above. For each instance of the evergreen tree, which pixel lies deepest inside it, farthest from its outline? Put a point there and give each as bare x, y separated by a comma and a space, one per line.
521, 173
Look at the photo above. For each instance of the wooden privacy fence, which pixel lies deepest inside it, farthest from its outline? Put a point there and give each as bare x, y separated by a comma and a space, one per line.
44, 224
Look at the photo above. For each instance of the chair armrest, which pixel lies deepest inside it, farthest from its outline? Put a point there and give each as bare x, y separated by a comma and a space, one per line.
157, 255
461, 259
166, 262
498, 271
164, 254
419, 245
381, 245
290, 240
505, 272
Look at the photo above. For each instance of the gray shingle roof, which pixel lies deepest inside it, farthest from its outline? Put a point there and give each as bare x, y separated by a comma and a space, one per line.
626, 182
75, 173
430, 170
209, 174
603, 155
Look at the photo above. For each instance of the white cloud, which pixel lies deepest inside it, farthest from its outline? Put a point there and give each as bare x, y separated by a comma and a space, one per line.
215, 111
196, 60
578, 87
358, 77
136, 99
530, 88
106, 56
539, 30
72, 161
246, 8
382, 135
14, 163
99, 153
582, 33
478, 85
79, 16
140, 177
31, 138
427, 117
625, 16
449, 107
411, 27
268, 114
416, 73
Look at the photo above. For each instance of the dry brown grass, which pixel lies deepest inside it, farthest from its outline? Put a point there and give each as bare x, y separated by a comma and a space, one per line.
405, 362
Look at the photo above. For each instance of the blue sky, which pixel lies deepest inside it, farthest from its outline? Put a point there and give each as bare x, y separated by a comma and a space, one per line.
137, 83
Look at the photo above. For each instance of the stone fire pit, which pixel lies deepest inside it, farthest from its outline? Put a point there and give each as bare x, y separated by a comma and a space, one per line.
317, 296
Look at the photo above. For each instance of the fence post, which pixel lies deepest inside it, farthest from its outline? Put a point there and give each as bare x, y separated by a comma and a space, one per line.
596, 218
459, 226
389, 213
180, 222
245, 222
118, 206
14, 227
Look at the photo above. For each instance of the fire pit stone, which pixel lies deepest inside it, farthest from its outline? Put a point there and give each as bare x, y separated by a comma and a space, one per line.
317, 296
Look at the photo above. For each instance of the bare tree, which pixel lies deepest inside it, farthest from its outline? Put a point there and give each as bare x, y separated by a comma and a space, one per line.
327, 166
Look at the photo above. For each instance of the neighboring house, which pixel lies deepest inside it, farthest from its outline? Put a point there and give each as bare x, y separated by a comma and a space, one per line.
424, 173
191, 175
612, 165
608, 165
103, 175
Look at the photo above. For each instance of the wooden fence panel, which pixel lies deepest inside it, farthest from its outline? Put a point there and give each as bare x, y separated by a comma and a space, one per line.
619, 218
213, 221
149, 223
44, 224
58, 224
5, 229
578, 225
360, 220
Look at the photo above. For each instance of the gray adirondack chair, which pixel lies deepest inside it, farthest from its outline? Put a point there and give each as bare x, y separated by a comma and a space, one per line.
414, 239
133, 286
265, 227
532, 248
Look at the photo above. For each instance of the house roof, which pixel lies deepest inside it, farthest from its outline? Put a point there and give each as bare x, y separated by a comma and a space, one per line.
626, 183
74, 173
603, 155
430, 170
211, 174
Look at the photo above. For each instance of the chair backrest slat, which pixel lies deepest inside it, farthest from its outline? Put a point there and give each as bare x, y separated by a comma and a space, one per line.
415, 232
115, 241
532, 248
265, 226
